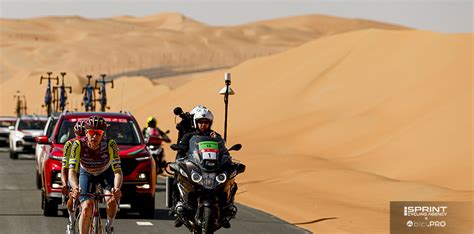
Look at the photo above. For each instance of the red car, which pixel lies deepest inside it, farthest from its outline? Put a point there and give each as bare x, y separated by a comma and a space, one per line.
138, 167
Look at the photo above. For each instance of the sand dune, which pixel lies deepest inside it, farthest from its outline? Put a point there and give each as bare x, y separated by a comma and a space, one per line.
333, 129
77, 44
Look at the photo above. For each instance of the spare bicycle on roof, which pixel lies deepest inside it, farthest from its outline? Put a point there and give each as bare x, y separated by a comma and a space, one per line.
102, 91
48, 98
60, 99
88, 100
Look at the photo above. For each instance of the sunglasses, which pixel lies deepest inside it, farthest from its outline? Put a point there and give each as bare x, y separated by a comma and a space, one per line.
93, 132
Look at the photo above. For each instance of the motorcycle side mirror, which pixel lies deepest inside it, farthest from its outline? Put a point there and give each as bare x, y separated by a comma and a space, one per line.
235, 147
240, 168
153, 140
177, 147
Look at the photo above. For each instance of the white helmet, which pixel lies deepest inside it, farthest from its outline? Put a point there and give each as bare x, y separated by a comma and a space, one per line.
196, 108
203, 113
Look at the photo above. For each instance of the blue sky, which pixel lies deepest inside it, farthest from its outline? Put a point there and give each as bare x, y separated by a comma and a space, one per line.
450, 16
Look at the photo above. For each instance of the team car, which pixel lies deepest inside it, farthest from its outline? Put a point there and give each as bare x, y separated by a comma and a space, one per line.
42, 149
22, 134
138, 167
5, 123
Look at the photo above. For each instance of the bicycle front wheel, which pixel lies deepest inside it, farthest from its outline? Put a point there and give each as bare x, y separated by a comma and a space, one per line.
97, 227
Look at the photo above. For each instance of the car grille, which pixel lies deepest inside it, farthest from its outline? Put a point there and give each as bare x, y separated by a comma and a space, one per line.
29, 139
128, 165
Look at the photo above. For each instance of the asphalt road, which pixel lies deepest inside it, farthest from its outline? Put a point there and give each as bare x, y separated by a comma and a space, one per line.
20, 208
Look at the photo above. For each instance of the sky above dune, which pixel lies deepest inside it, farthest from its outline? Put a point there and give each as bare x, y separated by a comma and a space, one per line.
441, 15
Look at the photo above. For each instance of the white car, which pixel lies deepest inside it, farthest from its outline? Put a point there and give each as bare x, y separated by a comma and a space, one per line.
42, 150
5, 122
22, 135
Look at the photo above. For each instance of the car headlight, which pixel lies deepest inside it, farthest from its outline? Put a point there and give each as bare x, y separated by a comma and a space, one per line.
196, 177
221, 178
143, 158
59, 158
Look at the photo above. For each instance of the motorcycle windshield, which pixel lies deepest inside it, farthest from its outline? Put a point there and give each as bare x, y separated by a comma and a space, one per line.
206, 151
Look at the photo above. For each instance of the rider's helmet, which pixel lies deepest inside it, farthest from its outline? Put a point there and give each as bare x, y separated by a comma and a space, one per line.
203, 113
196, 109
96, 122
79, 129
151, 122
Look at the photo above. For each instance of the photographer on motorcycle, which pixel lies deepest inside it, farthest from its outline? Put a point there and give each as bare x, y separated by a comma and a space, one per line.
203, 119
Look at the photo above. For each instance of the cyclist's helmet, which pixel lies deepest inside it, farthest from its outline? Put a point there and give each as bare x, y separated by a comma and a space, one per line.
151, 122
96, 122
79, 127
203, 113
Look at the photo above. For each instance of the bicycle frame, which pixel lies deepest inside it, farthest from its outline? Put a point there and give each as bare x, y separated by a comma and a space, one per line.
95, 224
102, 91
89, 95
48, 96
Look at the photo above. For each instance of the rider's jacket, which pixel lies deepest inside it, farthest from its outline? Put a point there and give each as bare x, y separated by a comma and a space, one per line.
94, 161
67, 151
149, 131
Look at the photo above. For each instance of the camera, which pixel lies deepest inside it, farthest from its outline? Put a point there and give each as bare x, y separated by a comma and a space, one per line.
186, 124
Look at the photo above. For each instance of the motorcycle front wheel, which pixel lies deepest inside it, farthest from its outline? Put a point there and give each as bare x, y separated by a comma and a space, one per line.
207, 221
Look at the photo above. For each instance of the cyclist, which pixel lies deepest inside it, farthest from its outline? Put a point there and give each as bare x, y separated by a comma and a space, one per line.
96, 160
79, 132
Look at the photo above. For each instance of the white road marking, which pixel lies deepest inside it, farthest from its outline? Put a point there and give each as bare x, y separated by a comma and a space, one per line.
144, 224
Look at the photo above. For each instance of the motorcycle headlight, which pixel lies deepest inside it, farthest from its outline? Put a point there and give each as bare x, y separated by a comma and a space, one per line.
221, 178
183, 173
196, 177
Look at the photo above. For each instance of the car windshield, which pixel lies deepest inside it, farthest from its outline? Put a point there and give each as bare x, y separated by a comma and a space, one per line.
123, 131
51, 125
6, 123
31, 124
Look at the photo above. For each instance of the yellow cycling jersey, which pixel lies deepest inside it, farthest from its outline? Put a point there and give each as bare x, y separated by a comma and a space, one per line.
66, 153
94, 161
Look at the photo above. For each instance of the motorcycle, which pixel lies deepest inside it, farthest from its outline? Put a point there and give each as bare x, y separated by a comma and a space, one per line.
205, 182
154, 142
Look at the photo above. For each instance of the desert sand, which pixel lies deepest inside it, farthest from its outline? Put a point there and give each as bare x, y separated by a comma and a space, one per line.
336, 121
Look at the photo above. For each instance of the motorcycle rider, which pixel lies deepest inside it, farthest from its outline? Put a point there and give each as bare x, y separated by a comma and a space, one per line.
152, 130
203, 119
97, 161
79, 131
